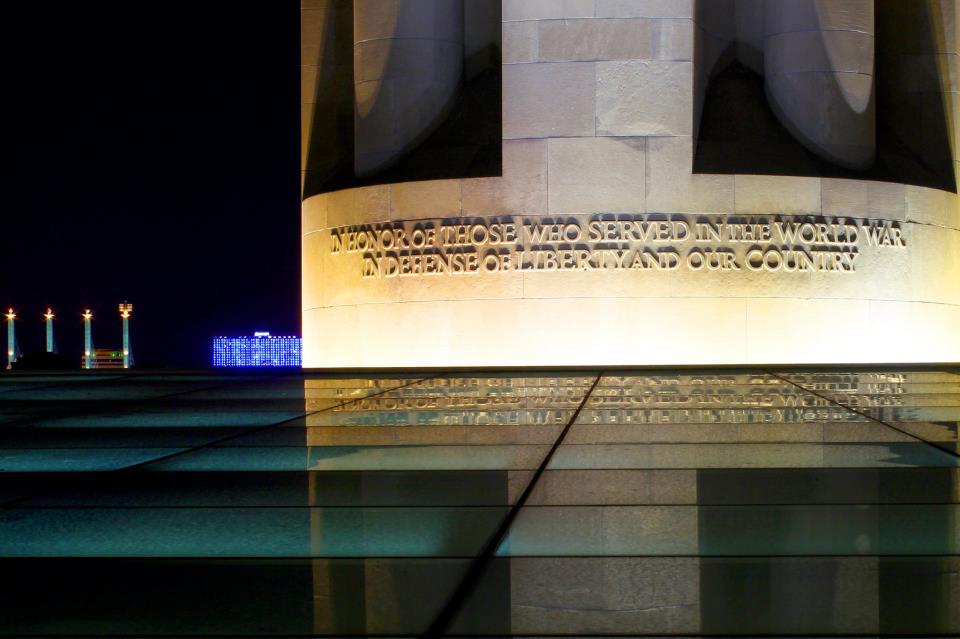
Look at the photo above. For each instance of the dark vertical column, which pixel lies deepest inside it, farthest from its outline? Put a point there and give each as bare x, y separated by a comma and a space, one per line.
326, 92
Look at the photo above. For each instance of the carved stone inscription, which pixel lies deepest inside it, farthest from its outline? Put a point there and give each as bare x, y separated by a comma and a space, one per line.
645, 242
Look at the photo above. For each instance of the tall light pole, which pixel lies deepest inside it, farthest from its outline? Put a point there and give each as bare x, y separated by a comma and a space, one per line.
126, 310
48, 316
11, 339
87, 340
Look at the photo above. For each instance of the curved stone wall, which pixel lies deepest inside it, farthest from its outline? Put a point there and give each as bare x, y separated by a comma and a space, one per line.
407, 66
598, 245
819, 70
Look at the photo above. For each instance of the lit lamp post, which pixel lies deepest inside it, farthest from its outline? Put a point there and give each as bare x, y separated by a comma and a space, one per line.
87, 340
48, 316
126, 310
11, 339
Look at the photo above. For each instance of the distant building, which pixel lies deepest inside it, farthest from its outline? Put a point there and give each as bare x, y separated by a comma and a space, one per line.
261, 350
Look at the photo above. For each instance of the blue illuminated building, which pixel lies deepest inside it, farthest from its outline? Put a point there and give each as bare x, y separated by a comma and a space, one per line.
261, 350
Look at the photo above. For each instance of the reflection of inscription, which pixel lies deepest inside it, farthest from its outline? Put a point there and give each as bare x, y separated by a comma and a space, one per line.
648, 242
442, 418
718, 416
588, 416
446, 403
732, 400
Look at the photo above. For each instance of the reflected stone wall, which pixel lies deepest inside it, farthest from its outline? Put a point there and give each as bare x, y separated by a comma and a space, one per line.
600, 245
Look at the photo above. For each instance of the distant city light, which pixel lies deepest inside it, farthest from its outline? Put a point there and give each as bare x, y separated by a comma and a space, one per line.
261, 350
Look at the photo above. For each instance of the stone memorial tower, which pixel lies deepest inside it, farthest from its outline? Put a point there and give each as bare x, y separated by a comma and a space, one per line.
627, 182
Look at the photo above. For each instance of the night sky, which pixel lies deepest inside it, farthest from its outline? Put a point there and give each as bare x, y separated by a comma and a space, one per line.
150, 153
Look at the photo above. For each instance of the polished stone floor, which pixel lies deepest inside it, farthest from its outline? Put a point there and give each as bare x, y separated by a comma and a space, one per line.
589, 503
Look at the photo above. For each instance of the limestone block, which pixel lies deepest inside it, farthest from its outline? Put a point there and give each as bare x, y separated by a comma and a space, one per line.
313, 23
616, 39
479, 286
378, 19
770, 322
863, 198
521, 190
598, 530
844, 197
849, 122
403, 58
644, 98
341, 282
604, 595
749, 33
308, 84
306, 133
803, 51
417, 435
771, 194
654, 530
313, 214
818, 68
589, 175
910, 332
620, 284
671, 186
548, 100
517, 481
361, 205
644, 9
311, 258
867, 433
829, 15
608, 487
665, 433
694, 322
935, 264
946, 14
520, 41
430, 198
408, 59
546, 9
932, 206
953, 125
887, 200
667, 456
392, 111
814, 107
526, 434
684, 331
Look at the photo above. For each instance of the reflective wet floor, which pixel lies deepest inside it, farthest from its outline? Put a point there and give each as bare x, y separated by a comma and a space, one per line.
669, 503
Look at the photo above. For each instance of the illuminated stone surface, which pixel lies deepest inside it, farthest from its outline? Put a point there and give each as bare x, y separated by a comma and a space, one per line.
601, 103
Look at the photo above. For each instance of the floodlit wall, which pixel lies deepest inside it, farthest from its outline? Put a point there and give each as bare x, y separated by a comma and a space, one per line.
599, 246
